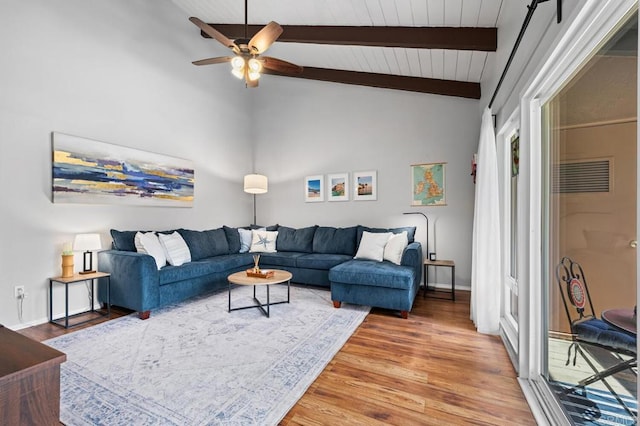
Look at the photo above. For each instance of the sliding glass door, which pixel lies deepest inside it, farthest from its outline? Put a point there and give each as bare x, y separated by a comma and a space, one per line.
589, 216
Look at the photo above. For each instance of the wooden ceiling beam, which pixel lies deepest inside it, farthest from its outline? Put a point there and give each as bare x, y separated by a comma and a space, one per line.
455, 38
461, 89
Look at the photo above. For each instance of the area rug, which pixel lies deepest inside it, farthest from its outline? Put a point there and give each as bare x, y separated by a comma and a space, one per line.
589, 406
194, 363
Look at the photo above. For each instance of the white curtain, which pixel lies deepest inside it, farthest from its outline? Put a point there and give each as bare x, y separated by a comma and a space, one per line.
486, 257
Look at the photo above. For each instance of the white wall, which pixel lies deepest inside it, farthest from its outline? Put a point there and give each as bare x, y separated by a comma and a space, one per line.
308, 128
117, 71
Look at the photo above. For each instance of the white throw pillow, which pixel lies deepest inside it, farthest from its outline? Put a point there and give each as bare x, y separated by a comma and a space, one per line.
263, 241
372, 245
175, 248
395, 247
148, 243
245, 239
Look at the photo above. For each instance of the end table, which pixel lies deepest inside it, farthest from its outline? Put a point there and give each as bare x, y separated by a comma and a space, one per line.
436, 264
77, 278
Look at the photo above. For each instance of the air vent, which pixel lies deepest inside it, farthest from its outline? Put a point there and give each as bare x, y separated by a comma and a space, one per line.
582, 176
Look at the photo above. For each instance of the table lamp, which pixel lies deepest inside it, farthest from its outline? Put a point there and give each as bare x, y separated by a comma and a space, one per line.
87, 243
255, 184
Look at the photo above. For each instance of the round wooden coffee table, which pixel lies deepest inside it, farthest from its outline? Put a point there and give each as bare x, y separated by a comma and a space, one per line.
241, 278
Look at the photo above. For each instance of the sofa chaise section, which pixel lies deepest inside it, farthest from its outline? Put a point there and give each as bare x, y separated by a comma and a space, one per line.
379, 284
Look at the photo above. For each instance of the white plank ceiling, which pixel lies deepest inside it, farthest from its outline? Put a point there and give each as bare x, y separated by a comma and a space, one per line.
460, 65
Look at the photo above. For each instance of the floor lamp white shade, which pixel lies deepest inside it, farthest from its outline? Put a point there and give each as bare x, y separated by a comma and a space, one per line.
255, 184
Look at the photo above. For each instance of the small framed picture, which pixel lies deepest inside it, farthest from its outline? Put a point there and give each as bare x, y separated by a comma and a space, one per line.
338, 187
432, 256
314, 189
365, 186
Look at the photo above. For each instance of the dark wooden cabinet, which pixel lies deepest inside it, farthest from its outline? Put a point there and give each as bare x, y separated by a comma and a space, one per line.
29, 381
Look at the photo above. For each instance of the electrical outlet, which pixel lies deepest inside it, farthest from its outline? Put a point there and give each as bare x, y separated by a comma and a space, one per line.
18, 291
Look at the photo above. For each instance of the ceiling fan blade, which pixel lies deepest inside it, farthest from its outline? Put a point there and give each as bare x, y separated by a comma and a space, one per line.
280, 66
211, 61
265, 37
215, 34
251, 83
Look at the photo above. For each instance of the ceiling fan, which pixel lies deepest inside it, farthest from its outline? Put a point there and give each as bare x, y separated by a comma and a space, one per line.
247, 62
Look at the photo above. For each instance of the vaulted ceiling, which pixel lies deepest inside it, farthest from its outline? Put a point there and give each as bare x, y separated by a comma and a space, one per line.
428, 46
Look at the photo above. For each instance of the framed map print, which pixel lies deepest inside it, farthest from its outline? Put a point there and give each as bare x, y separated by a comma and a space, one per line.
428, 184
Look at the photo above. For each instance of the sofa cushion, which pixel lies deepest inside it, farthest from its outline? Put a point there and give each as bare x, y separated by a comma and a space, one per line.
124, 240
286, 258
298, 240
372, 245
233, 238
268, 228
175, 248
203, 244
321, 261
245, 239
394, 249
411, 231
148, 243
330, 240
263, 241
372, 273
199, 268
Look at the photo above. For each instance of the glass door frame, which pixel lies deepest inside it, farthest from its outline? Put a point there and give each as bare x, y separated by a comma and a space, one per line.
508, 325
584, 32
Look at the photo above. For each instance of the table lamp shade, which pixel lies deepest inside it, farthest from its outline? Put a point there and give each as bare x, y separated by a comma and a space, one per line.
87, 243
255, 184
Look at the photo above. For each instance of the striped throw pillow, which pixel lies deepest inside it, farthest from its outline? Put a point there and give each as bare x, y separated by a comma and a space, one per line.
175, 249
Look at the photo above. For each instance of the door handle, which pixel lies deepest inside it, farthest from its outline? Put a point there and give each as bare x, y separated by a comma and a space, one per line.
633, 243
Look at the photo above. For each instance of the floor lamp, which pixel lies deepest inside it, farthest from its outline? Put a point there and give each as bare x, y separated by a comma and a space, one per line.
255, 184
427, 220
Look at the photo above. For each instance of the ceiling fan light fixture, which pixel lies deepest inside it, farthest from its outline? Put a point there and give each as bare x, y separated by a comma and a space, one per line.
254, 65
238, 73
253, 76
237, 62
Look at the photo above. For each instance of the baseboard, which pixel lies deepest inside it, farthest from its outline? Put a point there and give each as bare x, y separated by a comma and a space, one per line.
447, 286
45, 320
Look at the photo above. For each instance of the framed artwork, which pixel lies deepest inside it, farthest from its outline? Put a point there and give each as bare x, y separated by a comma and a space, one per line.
91, 172
338, 187
313, 189
428, 184
365, 186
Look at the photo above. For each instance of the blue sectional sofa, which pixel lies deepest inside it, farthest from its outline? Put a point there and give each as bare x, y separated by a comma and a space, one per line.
316, 255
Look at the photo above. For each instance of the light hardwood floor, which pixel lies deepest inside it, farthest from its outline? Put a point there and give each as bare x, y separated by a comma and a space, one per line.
430, 369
